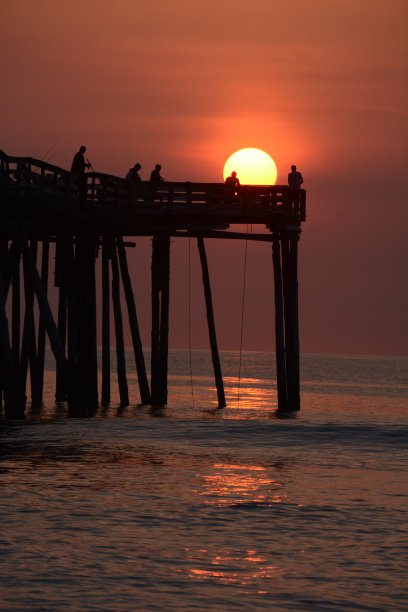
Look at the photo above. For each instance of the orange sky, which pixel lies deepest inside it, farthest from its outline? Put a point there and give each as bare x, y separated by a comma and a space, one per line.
319, 83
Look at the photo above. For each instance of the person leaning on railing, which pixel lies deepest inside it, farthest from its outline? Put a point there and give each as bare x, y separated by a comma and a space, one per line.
155, 181
133, 173
232, 185
155, 176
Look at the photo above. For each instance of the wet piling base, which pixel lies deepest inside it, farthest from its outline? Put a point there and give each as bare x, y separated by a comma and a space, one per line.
284, 256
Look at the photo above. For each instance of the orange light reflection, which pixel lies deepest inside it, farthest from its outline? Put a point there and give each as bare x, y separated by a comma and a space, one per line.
246, 569
250, 393
231, 485
228, 484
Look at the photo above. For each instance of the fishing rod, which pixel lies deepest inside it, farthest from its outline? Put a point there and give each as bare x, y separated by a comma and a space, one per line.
90, 165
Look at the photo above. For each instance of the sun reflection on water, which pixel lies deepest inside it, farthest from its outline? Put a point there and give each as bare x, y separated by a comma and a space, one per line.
232, 484
249, 394
248, 569
240, 486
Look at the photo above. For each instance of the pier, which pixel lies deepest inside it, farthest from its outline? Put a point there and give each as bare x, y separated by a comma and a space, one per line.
91, 221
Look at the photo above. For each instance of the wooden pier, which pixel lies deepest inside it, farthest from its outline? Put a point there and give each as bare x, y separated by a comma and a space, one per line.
88, 220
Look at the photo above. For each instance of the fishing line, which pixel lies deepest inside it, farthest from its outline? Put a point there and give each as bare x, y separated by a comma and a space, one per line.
56, 153
50, 149
189, 320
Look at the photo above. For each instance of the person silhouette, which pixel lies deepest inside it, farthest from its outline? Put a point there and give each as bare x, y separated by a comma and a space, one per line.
77, 169
133, 174
232, 184
78, 163
295, 179
232, 180
155, 177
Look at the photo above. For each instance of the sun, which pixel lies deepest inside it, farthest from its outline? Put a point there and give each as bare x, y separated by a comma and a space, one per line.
253, 167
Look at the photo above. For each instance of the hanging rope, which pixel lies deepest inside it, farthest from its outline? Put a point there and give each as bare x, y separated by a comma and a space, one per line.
189, 319
242, 316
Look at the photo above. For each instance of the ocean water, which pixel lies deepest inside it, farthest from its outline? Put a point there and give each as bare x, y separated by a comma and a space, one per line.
194, 508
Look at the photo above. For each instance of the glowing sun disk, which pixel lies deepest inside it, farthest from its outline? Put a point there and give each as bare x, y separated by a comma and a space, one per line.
253, 167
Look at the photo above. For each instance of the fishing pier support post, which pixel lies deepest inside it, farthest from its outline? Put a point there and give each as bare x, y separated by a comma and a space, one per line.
49, 215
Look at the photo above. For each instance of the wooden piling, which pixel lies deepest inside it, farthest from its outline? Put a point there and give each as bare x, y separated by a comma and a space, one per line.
155, 333
37, 383
51, 328
5, 269
8, 369
211, 325
62, 251
33, 344
3, 263
120, 345
134, 325
87, 363
71, 287
16, 304
29, 254
106, 389
293, 323
281, 382
164, 318
160, 318
290, 296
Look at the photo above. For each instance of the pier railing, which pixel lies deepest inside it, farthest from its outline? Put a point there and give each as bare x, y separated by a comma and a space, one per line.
25, 177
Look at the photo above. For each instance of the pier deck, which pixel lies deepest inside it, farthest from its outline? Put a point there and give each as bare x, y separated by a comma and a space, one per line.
47, 196
42, 204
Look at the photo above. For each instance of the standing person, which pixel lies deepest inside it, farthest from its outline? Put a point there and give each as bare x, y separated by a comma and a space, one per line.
133, 174
295, 179
77, 169
155, 177
78, 163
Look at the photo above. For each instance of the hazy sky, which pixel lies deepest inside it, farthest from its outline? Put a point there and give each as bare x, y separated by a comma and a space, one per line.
319, 83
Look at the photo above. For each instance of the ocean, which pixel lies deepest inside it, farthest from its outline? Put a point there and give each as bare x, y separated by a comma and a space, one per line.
190, 507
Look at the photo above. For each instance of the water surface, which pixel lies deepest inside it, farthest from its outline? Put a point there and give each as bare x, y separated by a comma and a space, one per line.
195, 508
